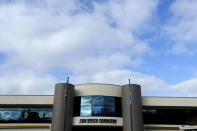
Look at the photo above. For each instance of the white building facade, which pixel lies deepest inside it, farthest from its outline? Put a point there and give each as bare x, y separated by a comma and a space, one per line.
97, 107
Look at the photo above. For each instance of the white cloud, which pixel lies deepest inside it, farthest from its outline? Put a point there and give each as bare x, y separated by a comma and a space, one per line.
95, 45
26, 83
186, 88
182, 26
150, 84
128, 14
44, 36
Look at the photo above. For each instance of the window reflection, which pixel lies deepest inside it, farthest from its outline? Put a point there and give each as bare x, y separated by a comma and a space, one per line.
99, 106
97, 100
97, 110
86, 101
6, 115
23, 115
85, 111
15, 115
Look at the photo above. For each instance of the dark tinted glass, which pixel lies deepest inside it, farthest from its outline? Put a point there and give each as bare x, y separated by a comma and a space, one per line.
170, 116
97, 101
109, 101
98, 106
109, 111
97, 110
77, 105
118, 106
25, 115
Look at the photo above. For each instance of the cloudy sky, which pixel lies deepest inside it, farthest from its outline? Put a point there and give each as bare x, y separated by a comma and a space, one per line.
153, 42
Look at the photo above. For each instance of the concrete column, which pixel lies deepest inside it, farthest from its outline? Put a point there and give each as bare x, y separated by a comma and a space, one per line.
63, 107
126, 109
132, 108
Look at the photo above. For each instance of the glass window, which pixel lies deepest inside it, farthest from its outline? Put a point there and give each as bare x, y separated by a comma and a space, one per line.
85, 111
23, 115
170, 116
109, 111
97, 111
109, 101
97, 100
98, 106
6, 115
86, 100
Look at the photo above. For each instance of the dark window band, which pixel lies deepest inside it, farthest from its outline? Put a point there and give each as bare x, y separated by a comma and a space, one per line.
25, 115
97, 106
170, 116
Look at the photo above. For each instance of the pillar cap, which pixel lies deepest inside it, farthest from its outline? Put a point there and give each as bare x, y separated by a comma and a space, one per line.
133, 85
63, 84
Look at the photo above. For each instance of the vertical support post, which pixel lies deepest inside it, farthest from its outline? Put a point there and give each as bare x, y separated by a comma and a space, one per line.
63, 107
132, 108
126, 109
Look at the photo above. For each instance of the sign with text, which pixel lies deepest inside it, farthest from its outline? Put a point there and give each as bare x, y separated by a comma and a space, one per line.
97, 121
110, 121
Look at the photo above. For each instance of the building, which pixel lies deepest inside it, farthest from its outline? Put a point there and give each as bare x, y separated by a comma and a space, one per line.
97, 107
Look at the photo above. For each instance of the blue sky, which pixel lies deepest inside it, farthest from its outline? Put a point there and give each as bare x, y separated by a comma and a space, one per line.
152, 42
